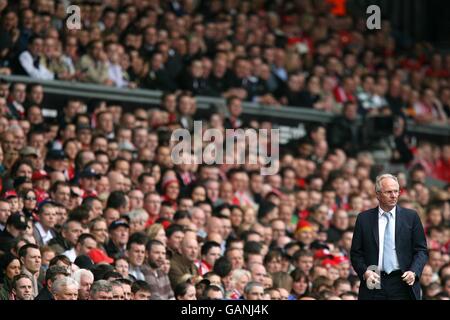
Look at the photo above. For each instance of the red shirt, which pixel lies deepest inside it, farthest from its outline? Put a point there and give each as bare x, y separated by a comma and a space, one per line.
442, 170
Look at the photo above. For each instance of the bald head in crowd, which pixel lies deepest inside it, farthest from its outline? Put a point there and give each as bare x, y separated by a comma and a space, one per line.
189, 246
116, 181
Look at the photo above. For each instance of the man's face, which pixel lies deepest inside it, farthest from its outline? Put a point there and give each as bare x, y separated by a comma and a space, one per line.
111, 215
32, 260
236, 258
279, 229
72, 233
388, 195
19, 93
48, 217
302, 200
152, 204
343, 287
347, 240
88, 183
96, 210
174, 241
85, 287
435, 260
189, 249
24, 289
163, 157
306, 236
136, 199
142, 295
118, 293
256, 293
258, 273
305, 264
120, 235
215, 295
136, 254
103, 295
148, 184
100, 231
5, 212
157, 255
212, 255
68, 293
62, 195
87, 245
427, 275
126, 291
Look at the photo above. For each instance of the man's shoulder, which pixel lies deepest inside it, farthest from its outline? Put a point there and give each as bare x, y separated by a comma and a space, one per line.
367, 213
405, 212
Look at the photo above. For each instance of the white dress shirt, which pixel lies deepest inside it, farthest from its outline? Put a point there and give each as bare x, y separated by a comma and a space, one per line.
45, 235
71, 254
40, 72
382, 222
136, 272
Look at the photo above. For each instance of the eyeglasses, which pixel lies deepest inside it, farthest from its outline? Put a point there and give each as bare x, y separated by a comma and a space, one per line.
30, 198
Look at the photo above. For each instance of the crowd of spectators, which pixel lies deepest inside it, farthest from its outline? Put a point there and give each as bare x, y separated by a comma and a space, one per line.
93, 206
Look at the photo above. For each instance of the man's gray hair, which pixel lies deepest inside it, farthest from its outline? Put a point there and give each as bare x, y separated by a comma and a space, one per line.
138, 214
249, 286
62, 283
100, 286
237, 274
381, 178
81, 273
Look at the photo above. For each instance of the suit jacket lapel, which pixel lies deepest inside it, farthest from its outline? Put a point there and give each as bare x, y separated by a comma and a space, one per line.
374, 222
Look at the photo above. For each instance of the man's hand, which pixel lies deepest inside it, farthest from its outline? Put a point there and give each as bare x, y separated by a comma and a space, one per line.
409, 277
372, 278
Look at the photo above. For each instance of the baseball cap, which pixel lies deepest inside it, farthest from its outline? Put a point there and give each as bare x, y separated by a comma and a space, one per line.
18, 221
98, 256
10, 194
29, 151
322, 253
83, 126
56, 154
118, 223
89, 173
40, 174
329, 262
84, 262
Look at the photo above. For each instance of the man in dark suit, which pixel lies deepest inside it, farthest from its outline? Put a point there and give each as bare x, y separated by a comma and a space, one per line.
389, 248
